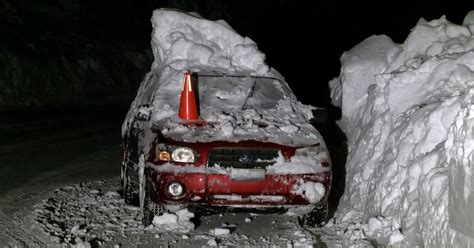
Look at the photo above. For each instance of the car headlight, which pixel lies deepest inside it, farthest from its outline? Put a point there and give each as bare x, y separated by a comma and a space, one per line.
172, 153
183, 154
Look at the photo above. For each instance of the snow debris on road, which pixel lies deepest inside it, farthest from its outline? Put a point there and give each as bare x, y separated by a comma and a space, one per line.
179, 221
79, 243
212, 242
407, 111
353, 231
219, 231
81, 212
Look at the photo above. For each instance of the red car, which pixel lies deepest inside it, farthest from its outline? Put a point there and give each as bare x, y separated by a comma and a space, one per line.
252, 147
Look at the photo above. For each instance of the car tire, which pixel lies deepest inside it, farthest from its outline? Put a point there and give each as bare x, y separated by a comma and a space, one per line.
150, 208
316, 218
129, 189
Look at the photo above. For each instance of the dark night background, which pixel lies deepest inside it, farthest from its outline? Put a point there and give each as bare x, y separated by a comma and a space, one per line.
69, 69
76, 52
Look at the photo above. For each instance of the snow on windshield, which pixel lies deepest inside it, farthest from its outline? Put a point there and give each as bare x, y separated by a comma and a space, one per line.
251, 104
230, 93
407, 112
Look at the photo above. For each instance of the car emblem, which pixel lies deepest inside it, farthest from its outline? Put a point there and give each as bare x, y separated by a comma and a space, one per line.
245, 158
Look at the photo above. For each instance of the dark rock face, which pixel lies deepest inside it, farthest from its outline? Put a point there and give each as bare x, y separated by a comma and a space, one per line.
70, 52
68, 80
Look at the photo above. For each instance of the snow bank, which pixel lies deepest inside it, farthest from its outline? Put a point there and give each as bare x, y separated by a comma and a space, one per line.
234, 107
408, 115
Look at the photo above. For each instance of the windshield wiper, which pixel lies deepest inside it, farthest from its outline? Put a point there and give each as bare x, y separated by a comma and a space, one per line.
252, 89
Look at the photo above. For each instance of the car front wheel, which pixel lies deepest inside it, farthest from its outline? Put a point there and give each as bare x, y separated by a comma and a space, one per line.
129, 188
150, 208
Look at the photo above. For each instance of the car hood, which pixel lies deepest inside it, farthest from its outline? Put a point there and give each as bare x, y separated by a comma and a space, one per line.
281, 125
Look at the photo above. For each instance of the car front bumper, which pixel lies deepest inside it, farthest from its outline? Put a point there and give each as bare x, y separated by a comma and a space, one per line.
217, 188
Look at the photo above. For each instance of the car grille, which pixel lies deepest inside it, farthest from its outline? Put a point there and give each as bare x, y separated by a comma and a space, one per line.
252, 198
246, 158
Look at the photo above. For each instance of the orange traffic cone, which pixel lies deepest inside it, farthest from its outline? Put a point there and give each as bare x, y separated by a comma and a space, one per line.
187, 106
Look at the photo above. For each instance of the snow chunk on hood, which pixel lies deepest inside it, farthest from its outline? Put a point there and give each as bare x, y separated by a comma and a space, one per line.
407, 112
281, 125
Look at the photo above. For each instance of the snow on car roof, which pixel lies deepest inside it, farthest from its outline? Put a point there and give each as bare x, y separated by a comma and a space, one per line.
182, 42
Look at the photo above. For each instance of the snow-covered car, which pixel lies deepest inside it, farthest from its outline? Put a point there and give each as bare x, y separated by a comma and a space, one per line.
252, 146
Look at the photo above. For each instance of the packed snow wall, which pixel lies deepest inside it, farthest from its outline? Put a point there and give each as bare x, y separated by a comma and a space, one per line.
408, 116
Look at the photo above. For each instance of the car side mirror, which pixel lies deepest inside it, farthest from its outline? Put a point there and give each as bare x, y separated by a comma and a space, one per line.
143, 113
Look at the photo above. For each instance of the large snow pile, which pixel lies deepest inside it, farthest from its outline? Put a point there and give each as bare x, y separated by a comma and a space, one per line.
182, 40
408, 115
236, 107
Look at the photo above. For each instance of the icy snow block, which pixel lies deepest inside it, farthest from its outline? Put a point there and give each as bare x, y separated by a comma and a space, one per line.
180, 221
469, 18
183, 41
461, 171
360, 64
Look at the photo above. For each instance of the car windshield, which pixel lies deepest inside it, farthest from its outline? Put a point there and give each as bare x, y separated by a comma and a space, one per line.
230, 93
